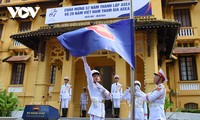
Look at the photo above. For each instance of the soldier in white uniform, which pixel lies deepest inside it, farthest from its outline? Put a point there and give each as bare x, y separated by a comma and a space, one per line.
127, 96
116, 91
84, 102
140, 104
65, 96
156, 97
98, 93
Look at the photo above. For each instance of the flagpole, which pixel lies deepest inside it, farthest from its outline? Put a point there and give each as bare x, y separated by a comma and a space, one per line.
132, 70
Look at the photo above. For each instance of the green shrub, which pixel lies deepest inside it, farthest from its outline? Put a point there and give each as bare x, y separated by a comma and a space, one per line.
19, 108
179, 109
188, 110
8, 103
167, 104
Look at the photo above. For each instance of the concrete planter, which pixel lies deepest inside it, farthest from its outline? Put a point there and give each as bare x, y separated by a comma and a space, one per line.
17, 114
7, 118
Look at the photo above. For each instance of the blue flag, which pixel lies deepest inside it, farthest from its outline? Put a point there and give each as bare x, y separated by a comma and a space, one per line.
116, 37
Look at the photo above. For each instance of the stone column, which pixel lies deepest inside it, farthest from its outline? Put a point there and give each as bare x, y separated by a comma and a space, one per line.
41, 80
150, 59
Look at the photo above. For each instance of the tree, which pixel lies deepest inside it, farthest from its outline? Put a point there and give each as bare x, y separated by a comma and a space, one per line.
8, 103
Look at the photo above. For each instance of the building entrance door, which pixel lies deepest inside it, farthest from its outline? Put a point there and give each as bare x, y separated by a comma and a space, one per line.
107, 73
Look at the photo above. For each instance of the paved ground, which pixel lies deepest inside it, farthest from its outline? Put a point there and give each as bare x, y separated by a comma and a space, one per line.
89, 119
169, 115
10, 118
3, 118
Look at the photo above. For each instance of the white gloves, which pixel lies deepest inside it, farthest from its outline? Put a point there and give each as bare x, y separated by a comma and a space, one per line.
111, 97
137, 88
84, 59
141, 95
60, 99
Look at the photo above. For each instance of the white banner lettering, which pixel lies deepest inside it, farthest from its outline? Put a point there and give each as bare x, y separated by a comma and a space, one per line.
97, 11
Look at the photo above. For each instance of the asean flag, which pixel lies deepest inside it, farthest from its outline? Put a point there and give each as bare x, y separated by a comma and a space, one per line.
116, 37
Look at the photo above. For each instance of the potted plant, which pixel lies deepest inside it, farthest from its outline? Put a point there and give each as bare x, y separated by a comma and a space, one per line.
8, 103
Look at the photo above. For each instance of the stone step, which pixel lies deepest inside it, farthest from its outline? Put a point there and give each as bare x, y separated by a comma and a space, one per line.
62, 118
74, 118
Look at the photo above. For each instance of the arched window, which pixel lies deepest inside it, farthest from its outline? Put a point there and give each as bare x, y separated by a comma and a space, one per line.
53, 74
191, 106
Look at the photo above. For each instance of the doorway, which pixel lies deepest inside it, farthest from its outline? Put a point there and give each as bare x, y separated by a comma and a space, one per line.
107, 73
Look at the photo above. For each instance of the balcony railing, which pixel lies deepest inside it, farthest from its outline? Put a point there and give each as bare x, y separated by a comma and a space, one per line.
188, 31
15, 89
177, 2
189, 86
15, 43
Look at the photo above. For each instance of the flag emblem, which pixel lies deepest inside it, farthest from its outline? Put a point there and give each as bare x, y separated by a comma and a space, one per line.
103, 31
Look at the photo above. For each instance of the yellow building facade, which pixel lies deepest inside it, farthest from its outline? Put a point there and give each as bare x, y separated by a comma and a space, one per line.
184, 71
35, 71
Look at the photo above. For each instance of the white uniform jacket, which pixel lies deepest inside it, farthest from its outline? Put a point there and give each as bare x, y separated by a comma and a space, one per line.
98, 94
66, 91
116, 90
140, 105
84, 98
157, 101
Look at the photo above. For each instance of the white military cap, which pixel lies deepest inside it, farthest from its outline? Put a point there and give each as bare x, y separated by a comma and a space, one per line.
162, 75
66, 78
138, 82
116, 76
95, 72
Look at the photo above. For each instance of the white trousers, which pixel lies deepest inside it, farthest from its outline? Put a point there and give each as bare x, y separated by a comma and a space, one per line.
116, 103
83, 106
65, 103
157, 113
93, 117
139, 113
